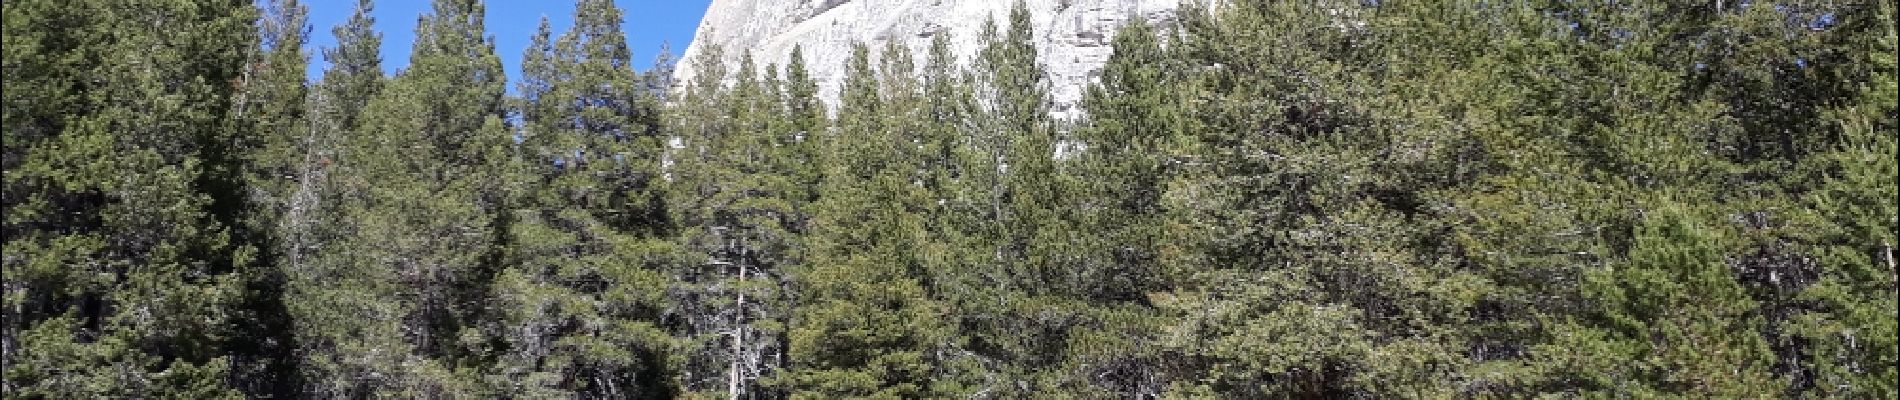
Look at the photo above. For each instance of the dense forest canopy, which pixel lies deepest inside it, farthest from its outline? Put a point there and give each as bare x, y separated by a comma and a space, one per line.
1263, 199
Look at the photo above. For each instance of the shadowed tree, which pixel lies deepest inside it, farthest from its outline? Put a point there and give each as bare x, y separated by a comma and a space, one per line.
122, 191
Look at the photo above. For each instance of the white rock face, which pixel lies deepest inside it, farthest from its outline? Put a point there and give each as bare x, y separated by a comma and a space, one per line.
1072, 36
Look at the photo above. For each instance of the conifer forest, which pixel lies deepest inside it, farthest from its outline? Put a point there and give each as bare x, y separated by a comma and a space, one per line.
1264, 199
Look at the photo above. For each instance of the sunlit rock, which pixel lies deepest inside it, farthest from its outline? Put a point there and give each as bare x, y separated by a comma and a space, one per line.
1072, 36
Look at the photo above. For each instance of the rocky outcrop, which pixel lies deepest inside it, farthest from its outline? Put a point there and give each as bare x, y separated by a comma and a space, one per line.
1072, 36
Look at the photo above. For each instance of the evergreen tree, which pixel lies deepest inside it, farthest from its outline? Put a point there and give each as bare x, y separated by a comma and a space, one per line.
328, 290
1119, 171
1020, 138
431, 222
1126, 144
270, 106
355, 74
806, 114
952, 253
659, 77
271, 103
571, 313
1673, 320
1568, 195
1626, 149
948, 110
1842, 342
1015, 318
1275, 199
741, 210
865, 325
1307, 264
122, 278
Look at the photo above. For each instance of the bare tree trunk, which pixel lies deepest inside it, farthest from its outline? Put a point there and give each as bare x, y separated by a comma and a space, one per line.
738, 340
1887, 250
296, 224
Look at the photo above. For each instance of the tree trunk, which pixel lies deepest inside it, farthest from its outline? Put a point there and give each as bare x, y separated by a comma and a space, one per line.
738, 340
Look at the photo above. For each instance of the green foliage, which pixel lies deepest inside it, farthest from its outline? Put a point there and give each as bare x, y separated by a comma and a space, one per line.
571, 317
1849, 222
807, 119
356, 67
1258, 200
325, 289
746, 181
121, 275
420, 184
269, 109
1669, 319
866, 326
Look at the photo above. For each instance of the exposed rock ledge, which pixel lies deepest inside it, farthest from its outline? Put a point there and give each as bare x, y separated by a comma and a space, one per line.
1072, 36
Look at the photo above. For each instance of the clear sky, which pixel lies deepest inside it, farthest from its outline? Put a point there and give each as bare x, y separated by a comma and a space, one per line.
649, 24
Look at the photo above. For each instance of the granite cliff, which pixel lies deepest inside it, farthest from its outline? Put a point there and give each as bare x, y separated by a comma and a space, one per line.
1072, 36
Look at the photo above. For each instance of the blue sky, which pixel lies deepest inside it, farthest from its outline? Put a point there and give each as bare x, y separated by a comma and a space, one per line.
649, 23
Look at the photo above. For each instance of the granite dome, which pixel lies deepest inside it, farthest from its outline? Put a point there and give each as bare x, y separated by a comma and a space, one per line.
1072, 36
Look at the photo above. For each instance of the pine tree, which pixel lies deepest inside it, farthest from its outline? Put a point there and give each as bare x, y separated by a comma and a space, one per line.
659, 76
430, 225
943, 122
1306, 260
121, 276
1124, 159
809, 123
1012, 316
1277, 199
355, 74
1117, 173
1848, 343
1673, 320
329, 291
949, 106
270, 106
1022, 141
865, 325
573, 318
741, 209
1577, 213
